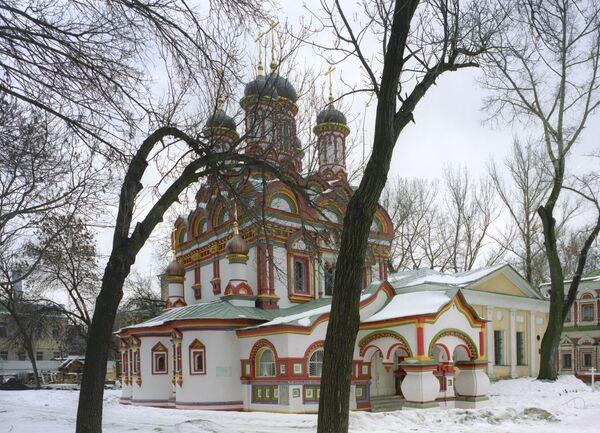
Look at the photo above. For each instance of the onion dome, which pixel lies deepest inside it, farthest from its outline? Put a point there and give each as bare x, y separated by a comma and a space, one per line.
220, 119
175, 269
262, 87
283, 86
331, 115
237, 244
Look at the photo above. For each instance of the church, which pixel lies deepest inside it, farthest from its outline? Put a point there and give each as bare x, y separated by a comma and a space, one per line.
250, 286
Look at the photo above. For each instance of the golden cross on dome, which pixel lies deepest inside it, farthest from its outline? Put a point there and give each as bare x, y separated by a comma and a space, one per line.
259, 40
236, 228
329, 73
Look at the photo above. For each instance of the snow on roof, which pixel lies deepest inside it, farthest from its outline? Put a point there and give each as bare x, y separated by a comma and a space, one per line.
304, 318
411, 304
423, 276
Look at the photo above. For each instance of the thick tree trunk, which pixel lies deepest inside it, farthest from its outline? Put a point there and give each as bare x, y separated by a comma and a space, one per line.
551, 340
344, 319
89, 411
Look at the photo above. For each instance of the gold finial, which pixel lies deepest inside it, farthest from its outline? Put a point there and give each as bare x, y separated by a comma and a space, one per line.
236, 227
329, 72
220, 102
273, 58
261, 68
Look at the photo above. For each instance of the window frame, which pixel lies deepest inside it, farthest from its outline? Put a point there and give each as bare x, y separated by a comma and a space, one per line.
39, 356
3, 330
306, 265
259, 361
197, 349
329, 277
591, 357
564, 356
316, 363
521, 349
585, 306
501, 353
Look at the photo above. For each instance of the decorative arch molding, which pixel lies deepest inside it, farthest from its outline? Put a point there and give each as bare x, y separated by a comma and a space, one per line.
313, 347
366, 340
443, 347
586, 341
263, 343
159, 347
301, 235
369, 351
586, 295
197, 223
179, 232
452, 332
287, 197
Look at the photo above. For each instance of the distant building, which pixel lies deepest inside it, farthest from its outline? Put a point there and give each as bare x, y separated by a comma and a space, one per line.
579, 351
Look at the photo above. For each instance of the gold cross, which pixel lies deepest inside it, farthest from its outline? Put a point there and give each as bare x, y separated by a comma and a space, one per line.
328, 73
259, 40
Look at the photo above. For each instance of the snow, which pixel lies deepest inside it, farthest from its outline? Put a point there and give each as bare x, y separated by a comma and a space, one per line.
411, 304
433, 277
516, 406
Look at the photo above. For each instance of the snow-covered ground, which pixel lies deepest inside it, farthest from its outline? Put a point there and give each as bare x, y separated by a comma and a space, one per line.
519, 405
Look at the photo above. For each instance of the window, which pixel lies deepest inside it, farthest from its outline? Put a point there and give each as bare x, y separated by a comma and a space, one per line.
569, 316
315, 363
55, 355
39, 356
266, 363
197, 358
521, 348
566, 360
499, 347
3, 330
329, 278
587, 360
301, 275
4, 355
55, 333
587, 312
159, 359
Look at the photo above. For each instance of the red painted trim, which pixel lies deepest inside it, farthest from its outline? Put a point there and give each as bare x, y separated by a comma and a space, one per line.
196, 348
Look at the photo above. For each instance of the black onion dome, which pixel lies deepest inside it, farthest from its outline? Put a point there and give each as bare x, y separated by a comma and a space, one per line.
283, 86
262, 87
220, 119
331, 115
175, 269
237, 245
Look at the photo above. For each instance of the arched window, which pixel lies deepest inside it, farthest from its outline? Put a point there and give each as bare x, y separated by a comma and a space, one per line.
197, 358
315, 363
159, 359
266, 363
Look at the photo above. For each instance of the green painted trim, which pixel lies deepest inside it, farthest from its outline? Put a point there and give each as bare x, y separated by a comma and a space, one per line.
581, 328
470, 342
365, 340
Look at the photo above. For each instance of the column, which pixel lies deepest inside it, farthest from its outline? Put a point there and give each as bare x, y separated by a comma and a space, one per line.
420, 387
532, 346
490, 340
472, 384
512, 341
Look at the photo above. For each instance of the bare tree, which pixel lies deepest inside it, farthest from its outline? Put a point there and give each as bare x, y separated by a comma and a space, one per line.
68, 268
522, 192
546, 72
421, 41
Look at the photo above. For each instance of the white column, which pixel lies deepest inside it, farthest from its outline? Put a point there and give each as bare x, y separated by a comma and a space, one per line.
490, 340
532, 346
513, 343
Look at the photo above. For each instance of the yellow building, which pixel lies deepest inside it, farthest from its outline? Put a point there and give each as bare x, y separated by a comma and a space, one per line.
517, 313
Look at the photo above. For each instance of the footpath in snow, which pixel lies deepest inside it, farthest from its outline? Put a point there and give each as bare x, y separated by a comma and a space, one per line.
515, 406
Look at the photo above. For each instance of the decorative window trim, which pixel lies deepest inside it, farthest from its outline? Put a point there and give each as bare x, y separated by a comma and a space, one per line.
258, 361
306, 261
160, 351
315, 362
592, 305
197, 349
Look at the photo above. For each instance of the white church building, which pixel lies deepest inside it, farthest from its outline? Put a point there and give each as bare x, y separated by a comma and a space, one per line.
249, 296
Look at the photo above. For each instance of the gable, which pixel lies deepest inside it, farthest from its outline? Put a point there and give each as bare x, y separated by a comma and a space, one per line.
499, 284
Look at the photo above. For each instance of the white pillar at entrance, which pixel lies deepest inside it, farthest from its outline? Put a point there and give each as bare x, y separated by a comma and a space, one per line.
513, 343
532, 346
489, 329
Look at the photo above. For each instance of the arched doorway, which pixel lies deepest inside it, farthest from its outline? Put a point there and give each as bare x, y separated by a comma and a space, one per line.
399, 355
382, 378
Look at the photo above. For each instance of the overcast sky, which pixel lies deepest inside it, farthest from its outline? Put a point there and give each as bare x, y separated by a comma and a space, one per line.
449, 126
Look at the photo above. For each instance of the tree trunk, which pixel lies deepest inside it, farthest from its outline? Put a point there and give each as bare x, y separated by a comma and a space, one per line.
89, 412
31, 354
551, 340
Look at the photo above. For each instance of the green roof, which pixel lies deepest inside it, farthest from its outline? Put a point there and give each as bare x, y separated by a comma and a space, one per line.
218, 309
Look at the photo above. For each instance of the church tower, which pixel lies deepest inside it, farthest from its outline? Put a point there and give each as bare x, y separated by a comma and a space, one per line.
331, 132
